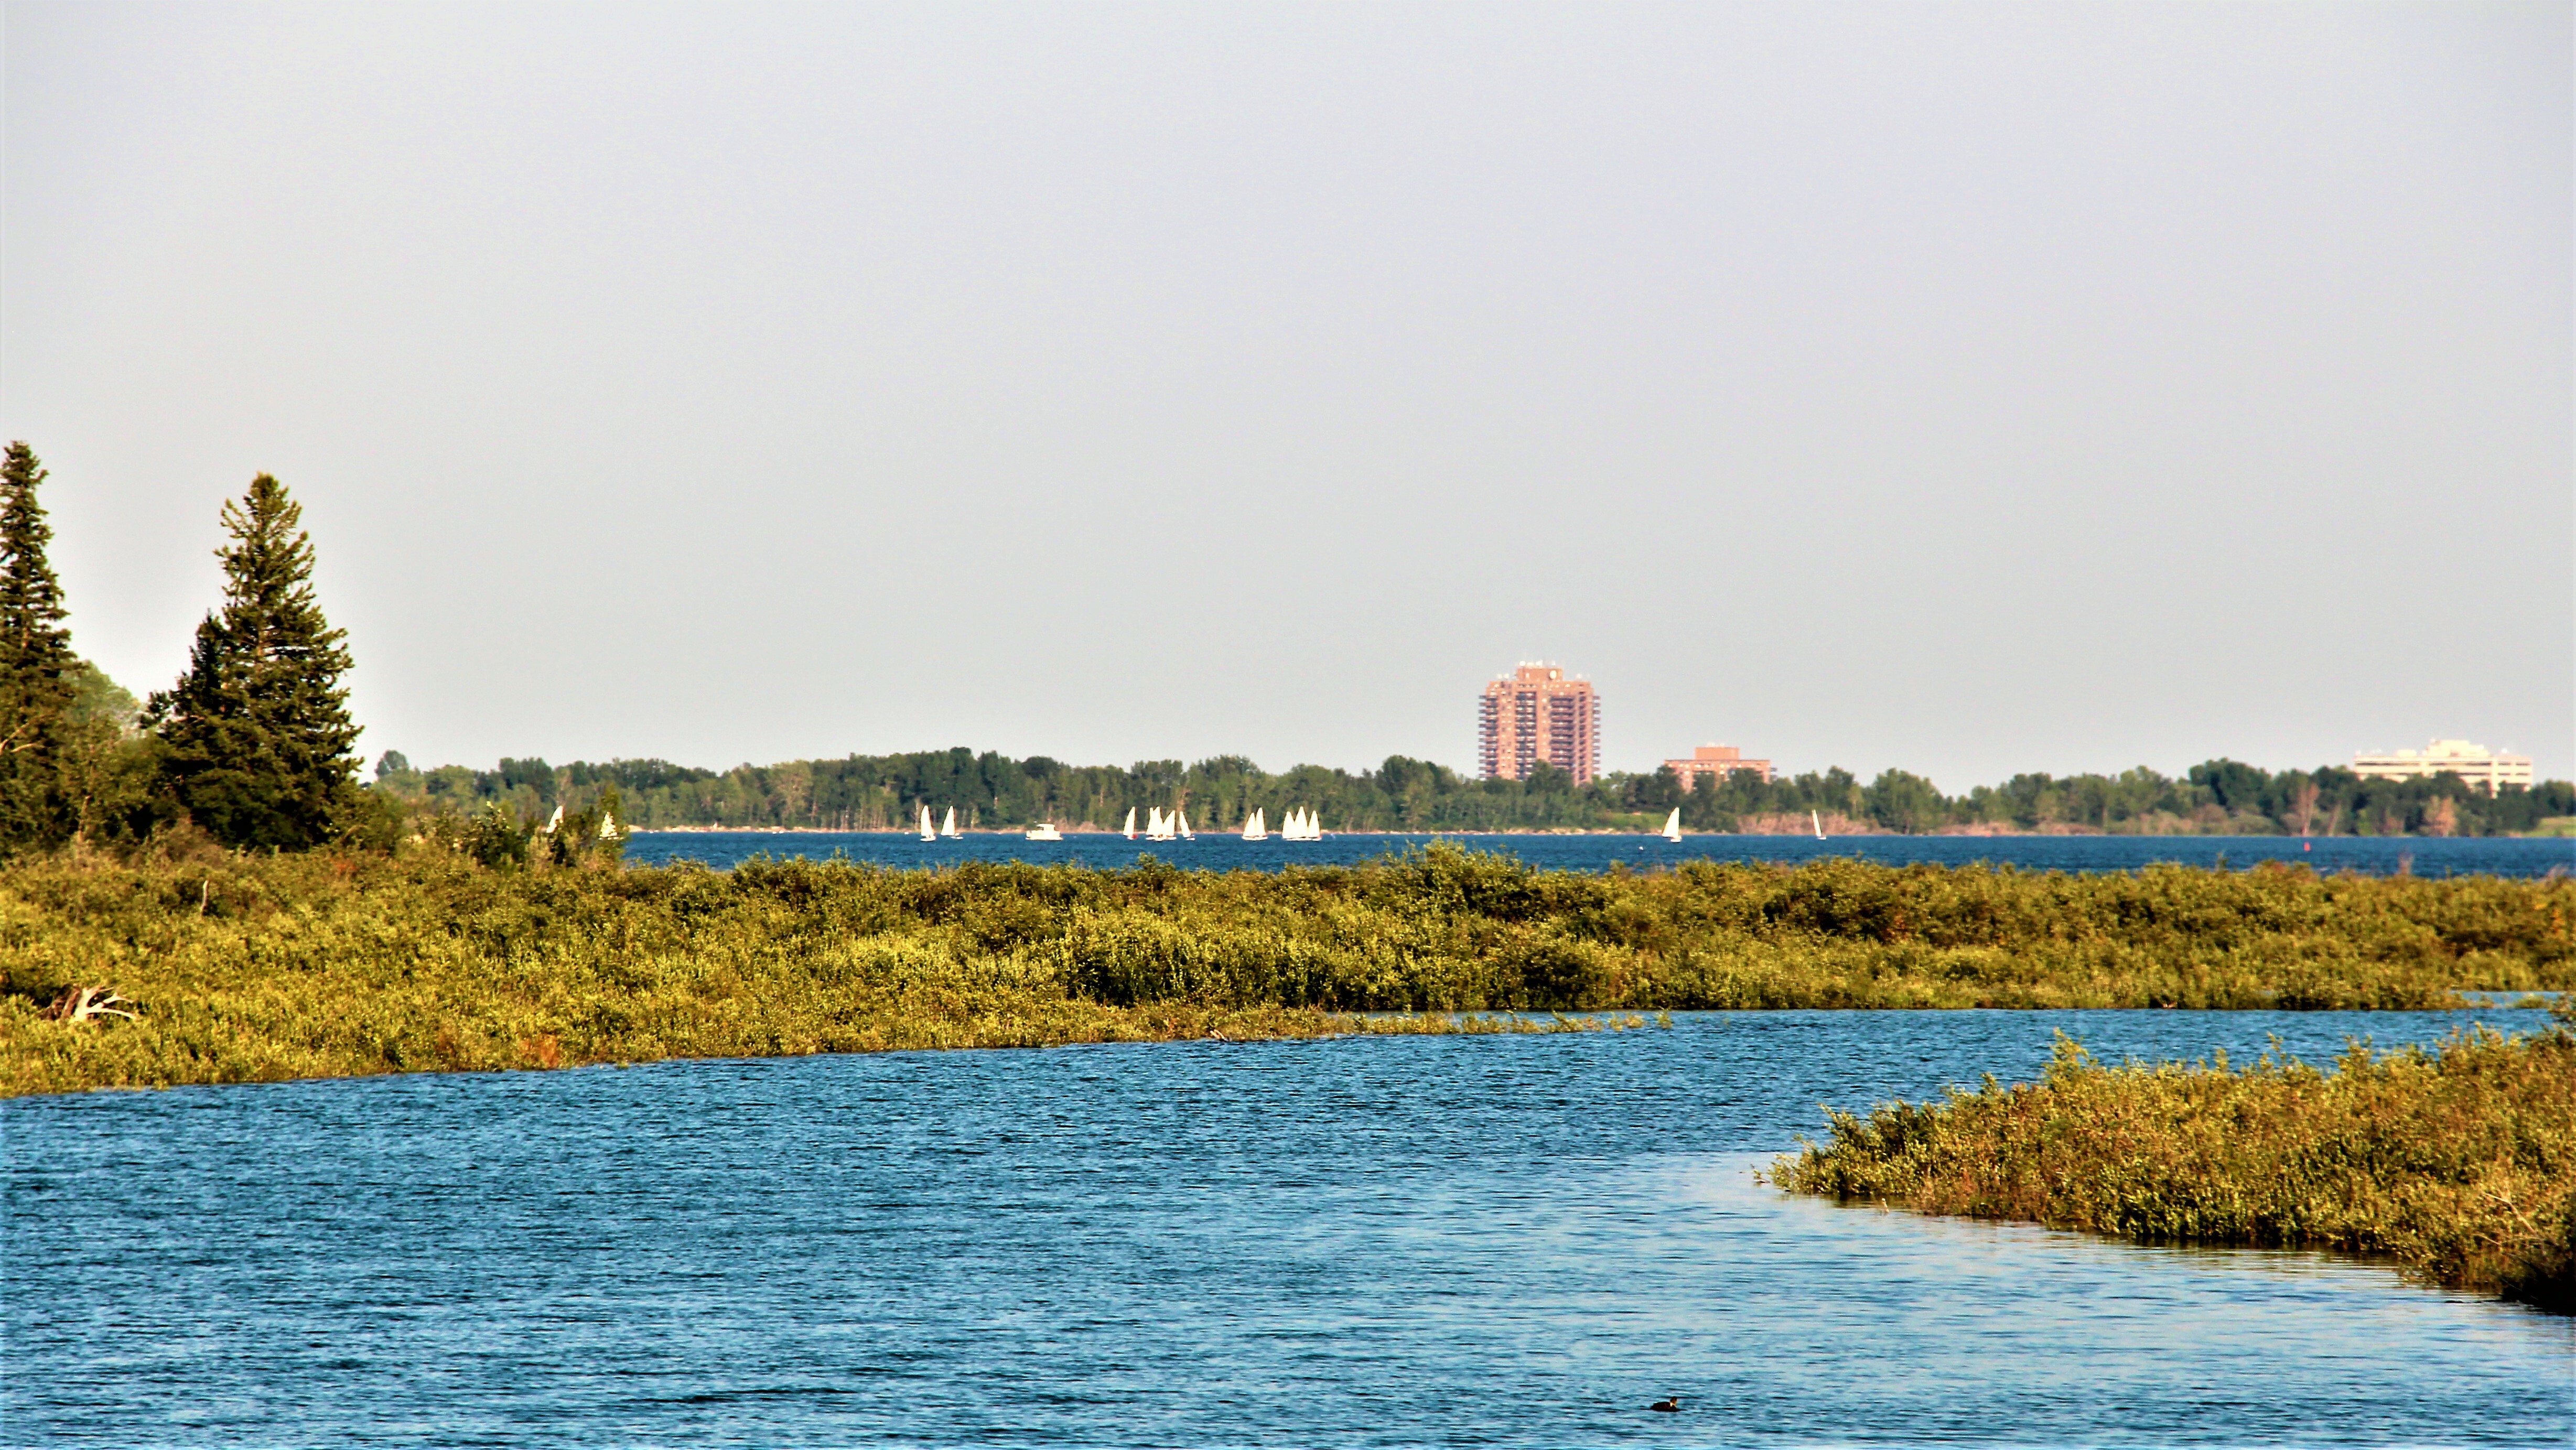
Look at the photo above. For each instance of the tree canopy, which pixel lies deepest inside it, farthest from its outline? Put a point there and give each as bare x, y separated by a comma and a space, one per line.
883, 792
258, 743
40, 677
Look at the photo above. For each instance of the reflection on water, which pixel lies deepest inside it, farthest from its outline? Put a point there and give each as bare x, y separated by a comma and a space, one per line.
1493, 1240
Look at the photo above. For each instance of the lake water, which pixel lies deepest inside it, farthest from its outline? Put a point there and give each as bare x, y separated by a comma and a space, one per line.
1215, 851
1505, 1241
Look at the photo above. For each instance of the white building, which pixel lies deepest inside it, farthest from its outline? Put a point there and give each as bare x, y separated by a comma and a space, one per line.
2470, 762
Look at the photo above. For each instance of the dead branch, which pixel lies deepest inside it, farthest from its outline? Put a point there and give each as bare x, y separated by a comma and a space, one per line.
87, 1004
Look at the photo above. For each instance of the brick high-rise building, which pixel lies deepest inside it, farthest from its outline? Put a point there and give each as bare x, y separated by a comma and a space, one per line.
1536, 714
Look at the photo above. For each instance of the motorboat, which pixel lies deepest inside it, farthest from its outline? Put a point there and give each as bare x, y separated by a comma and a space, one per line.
1045, 831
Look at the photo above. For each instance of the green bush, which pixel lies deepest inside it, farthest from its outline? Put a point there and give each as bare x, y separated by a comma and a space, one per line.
264, 966
2460, 1161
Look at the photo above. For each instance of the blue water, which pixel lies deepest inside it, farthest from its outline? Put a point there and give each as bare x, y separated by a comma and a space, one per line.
2500, 856
1395, 1241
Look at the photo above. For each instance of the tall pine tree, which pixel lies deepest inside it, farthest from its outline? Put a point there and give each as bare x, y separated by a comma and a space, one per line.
257, 734
39, 675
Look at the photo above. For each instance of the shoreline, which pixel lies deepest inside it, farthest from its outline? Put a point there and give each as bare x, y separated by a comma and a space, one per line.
336, 965
2451, 1159
1872, 833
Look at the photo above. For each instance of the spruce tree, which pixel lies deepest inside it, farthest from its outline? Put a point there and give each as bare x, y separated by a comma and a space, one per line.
39, 675
257, 736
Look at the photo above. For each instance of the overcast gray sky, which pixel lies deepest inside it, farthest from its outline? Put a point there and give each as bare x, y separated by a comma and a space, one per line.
1966, 388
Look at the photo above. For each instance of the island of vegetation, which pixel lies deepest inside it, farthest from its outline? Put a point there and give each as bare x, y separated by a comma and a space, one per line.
2459, 1162
243, 966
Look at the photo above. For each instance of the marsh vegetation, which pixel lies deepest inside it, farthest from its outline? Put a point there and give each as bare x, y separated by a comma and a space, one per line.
2459, 1160
249, 967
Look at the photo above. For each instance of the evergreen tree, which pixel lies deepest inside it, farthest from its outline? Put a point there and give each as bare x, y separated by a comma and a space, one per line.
39, 675
257, 736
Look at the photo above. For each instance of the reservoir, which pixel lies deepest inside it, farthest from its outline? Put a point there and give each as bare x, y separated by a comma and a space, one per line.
1218, 851
1508, 1240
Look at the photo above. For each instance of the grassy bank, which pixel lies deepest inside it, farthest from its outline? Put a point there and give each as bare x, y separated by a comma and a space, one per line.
263, 968
2460, 1161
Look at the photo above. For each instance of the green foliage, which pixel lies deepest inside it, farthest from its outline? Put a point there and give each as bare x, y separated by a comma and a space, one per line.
496, 839
39, 675
884, 792
250, 966
257, 736
2461, 1162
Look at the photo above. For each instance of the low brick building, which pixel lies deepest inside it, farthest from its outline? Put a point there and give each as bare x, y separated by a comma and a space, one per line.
1717, 760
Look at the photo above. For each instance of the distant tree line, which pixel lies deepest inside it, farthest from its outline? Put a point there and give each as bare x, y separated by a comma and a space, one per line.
253, 748
989, 790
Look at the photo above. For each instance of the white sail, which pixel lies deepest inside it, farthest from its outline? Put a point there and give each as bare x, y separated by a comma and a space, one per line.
1253, 830
608, 825
1129, 830
554, 820
1181, 823
1673, 825
927, 833
1158, 827
948, 826
1818, 822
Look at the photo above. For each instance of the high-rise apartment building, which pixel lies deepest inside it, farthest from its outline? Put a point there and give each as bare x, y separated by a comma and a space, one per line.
1536, 714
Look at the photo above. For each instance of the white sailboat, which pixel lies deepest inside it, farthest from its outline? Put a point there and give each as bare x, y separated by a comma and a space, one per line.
554, 821
608, 826
1818, 822
1158, 827
1302, 825
1673, 825
1181, 823
927, 833
1129, 830
948, 825
1253, 829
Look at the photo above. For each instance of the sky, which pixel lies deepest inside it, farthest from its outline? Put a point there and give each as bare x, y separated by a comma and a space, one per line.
1967, 389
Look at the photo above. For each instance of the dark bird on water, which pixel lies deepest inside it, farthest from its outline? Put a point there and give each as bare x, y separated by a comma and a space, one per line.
1670, 1405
